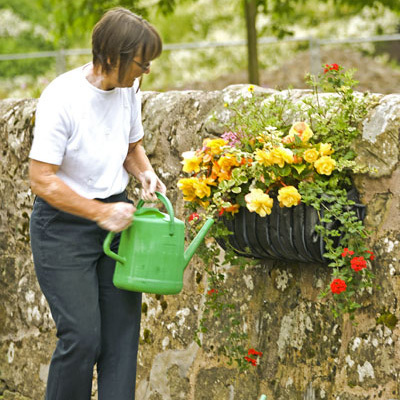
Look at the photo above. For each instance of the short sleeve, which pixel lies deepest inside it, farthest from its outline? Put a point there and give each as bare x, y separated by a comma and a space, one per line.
52, 129
136, 132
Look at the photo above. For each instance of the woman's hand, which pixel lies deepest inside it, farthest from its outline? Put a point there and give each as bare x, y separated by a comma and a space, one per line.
137, 164
151, 184
46, 184
116, 216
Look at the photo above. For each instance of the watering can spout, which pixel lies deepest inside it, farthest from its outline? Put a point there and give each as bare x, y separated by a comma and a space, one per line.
196, 242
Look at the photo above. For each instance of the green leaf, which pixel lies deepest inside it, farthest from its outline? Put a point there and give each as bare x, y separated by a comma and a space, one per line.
285, 171
299, 167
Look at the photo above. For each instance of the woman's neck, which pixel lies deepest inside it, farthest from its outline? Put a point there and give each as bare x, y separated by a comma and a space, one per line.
98, 79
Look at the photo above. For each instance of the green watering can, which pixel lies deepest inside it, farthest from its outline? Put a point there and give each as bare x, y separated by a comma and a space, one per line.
151, 256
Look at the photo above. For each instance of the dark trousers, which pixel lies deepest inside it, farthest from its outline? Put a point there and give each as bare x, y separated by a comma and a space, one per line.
96, 322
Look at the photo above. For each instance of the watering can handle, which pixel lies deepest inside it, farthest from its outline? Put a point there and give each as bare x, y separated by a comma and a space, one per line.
169, 208
109, 252
110, 235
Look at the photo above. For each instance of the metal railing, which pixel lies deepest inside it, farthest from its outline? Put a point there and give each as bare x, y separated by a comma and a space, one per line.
314, 45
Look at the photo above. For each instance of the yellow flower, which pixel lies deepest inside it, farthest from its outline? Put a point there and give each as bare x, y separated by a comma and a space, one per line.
207, 158
311, 155
325, 149
251, 88
280, 155
202, 189
204, 204
325, 165
215, 145
191, 163
228, 161
302, 130
288, 196
263, 157
259, 202
186, 185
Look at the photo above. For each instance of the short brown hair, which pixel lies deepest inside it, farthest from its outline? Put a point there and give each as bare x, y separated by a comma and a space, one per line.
120, 35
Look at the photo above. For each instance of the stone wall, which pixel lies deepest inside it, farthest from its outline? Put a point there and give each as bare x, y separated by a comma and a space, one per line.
307, 353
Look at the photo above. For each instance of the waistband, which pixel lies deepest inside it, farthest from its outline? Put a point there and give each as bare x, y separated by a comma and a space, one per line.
112, 199
115, 198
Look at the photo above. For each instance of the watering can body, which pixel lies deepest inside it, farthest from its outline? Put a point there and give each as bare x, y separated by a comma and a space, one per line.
151, 256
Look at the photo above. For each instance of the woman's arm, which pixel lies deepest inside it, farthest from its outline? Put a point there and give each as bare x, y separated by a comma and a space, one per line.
137, 164
47, 185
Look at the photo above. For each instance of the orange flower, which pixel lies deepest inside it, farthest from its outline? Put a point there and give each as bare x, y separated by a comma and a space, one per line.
232, 209
302, 130
227, 161
215, 171
248, 161
297, 159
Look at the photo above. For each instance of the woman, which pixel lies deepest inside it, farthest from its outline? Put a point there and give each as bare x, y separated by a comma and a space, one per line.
87, 139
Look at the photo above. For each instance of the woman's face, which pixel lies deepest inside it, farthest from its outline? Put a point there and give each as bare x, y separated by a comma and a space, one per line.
135, 70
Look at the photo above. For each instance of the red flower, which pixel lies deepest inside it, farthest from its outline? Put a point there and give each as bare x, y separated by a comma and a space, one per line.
372, 255
253, 352
347, 252
251, 360
212, 291
221, 211
331, 67
338, 286
358, 263
193, 217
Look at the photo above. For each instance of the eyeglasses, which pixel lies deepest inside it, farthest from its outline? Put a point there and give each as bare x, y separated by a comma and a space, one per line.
144, 67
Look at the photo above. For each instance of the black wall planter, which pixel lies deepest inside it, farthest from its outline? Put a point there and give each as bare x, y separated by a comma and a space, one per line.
288, 234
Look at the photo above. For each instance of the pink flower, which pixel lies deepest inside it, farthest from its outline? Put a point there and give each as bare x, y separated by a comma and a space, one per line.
230, 137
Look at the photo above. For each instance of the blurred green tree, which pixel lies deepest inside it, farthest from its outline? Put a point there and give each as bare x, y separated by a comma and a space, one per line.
68, 23
20, 32
284, 13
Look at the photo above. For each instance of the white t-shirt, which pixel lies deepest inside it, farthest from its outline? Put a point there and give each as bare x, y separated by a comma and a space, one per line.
87, 131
